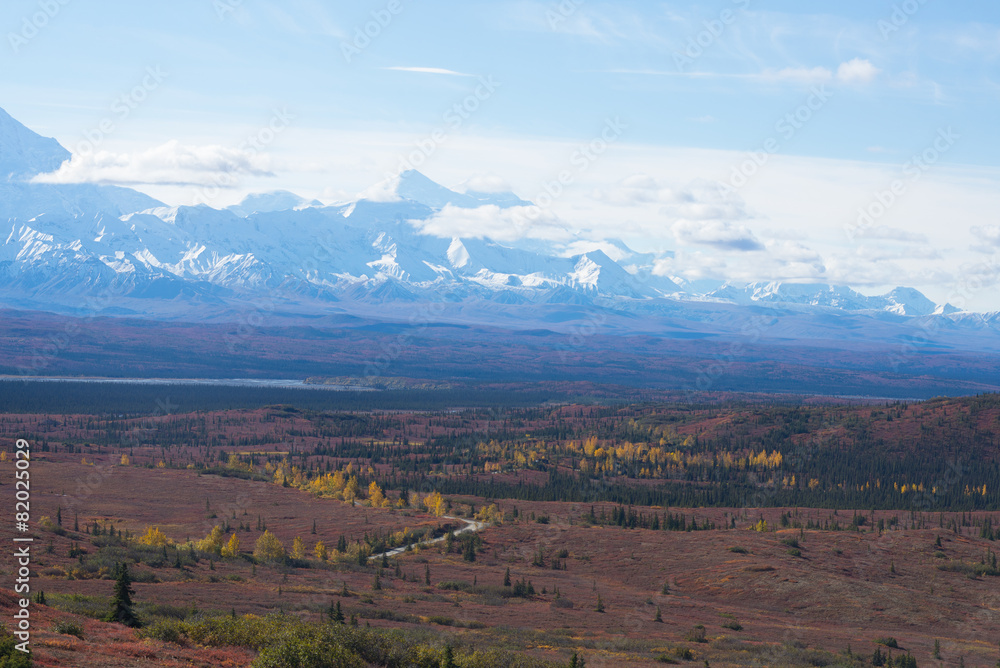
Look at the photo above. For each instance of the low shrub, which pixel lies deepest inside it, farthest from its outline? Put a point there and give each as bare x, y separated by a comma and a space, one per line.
68, 628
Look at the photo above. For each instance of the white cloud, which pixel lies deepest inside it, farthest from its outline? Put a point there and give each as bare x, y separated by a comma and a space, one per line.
718, 233
888, 233
486, 183
613, 251
429, 70
853, 71
168, 164
857, 70
492, 222
987, 237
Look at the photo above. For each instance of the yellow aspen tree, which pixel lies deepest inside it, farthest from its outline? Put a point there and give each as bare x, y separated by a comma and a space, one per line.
351, 489
435, 504
154, 538
232, 548
375, 496
268, 548
212, 542
298, 549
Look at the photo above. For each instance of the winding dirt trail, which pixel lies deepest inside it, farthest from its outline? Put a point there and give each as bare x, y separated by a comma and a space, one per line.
470, 525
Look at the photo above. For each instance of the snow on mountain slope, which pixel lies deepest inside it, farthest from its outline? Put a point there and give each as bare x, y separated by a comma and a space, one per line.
276, 200
24, 153
900, 301
62, 242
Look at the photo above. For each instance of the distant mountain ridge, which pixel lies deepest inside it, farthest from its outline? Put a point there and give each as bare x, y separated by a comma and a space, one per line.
63, 242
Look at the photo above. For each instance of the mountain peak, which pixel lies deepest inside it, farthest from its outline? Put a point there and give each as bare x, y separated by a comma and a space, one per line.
269, 202
25, 153
415, 186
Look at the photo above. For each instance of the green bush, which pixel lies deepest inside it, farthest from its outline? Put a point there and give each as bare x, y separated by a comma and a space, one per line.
79, 604
307, 649
68, 628
684, 653
167, 630
10, 657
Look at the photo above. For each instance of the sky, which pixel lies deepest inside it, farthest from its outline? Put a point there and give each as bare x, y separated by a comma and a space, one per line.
849, 142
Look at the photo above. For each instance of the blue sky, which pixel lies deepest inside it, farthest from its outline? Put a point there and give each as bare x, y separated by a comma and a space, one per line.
696, 88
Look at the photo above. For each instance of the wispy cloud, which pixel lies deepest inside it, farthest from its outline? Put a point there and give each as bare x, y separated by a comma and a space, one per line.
169, 164
716, 233
492, 222
429, 70
857, 70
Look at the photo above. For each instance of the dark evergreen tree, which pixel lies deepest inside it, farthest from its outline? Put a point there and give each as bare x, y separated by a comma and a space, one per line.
121, 603
448, 660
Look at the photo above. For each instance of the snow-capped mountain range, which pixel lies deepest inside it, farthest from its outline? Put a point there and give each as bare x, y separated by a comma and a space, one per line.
63, 243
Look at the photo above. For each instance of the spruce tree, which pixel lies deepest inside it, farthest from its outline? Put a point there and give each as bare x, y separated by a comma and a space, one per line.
121, 603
